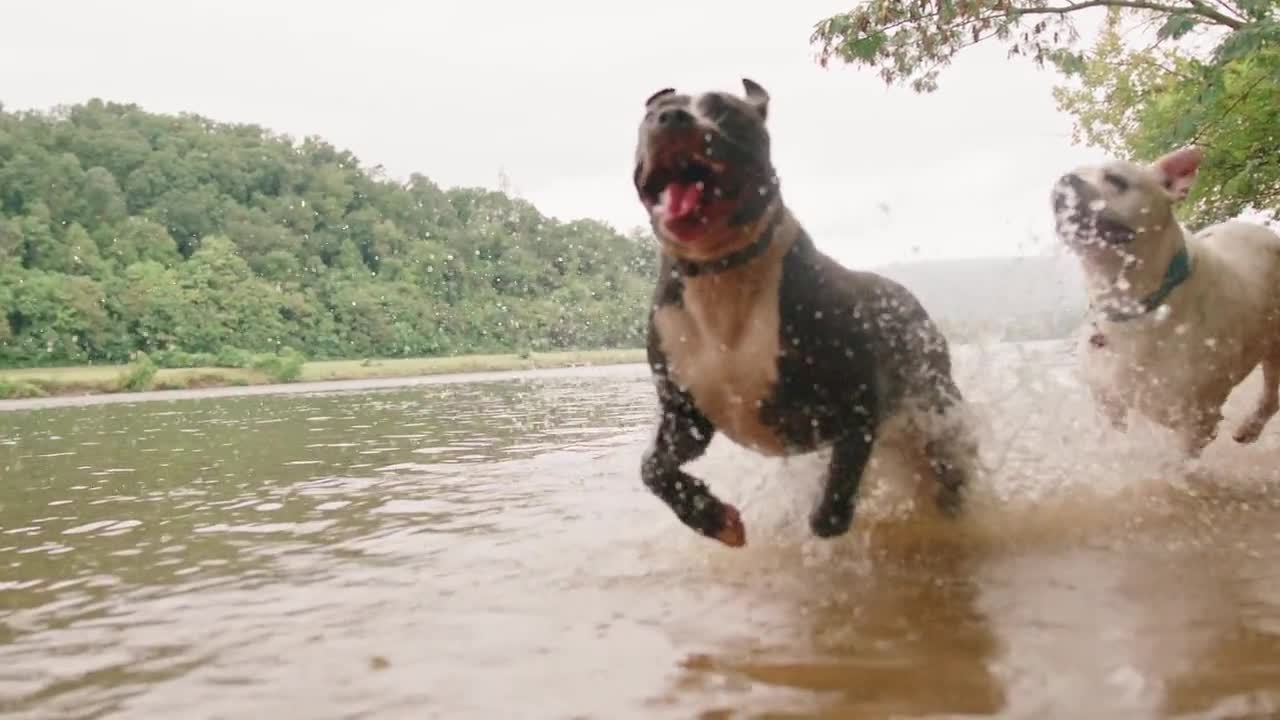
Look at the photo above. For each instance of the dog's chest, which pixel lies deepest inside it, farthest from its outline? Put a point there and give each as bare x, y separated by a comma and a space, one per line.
1165, 366
722, 347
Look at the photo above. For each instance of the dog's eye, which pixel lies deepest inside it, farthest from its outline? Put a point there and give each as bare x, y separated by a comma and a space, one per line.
712, 105
1119, 183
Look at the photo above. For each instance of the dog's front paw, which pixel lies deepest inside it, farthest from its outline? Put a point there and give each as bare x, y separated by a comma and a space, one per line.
1249, 432
1245, 436
831, 520
732, 532
950, 500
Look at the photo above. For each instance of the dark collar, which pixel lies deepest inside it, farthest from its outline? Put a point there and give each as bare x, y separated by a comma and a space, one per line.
737, 258
1178, 271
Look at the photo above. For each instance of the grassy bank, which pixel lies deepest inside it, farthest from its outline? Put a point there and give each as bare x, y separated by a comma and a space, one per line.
40, 382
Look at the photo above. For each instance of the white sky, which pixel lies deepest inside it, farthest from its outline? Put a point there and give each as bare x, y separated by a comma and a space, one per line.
551, 93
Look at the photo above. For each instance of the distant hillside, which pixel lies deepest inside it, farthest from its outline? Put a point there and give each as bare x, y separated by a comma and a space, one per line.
123, 230
1012, 298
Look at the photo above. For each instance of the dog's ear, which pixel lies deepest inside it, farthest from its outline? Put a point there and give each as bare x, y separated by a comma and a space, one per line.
1178, 170
660, 93
757, 96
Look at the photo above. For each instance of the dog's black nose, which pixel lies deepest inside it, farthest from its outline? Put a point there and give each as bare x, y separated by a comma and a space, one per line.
1074, 181
1070, 192
674, 118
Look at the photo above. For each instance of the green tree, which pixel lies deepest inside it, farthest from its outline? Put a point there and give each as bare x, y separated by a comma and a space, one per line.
12, 246
42, 248
102, 199
151, 307
59, 317
1143, 103
137, 240
188, 236
1209, 75
85, 259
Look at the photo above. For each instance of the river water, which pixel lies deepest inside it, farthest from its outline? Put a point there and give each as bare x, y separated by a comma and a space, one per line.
485, 549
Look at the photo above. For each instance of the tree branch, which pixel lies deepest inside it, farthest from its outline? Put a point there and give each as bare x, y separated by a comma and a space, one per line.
1228, 109
1170, 71
1209, 12
1233, 10
1197, 7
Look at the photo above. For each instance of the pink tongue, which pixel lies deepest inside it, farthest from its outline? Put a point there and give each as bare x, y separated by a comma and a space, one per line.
682, 200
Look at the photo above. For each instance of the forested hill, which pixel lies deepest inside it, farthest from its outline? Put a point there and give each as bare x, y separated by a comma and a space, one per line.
123, 230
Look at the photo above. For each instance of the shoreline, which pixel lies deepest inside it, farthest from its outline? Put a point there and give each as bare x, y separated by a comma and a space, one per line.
65, 387
79, 387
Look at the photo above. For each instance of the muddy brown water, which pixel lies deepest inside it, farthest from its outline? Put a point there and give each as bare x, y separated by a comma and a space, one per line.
484, 548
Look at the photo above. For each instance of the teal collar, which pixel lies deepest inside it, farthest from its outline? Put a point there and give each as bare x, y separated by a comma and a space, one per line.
1178, 271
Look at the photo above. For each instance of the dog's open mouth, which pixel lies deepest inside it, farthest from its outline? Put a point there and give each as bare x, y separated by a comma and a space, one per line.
1113, 232
1096, 229
1082, 217
681, 189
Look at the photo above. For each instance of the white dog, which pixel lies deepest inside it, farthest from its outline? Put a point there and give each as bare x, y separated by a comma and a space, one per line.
1178, 320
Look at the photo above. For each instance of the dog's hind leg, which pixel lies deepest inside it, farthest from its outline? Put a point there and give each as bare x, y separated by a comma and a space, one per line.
1113, 408
834, 512
951, 450
1199, 430
1268, 403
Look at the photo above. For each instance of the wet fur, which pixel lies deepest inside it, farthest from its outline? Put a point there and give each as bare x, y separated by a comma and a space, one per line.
1177, 365
790, 353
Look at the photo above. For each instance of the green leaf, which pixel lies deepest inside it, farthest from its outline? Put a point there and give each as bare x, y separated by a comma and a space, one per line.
1176, 26
865, 48
1247, 40
1257, 9
1067, 62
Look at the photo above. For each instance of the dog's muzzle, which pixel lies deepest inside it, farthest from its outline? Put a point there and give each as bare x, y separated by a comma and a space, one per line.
1080, 215
1074, 200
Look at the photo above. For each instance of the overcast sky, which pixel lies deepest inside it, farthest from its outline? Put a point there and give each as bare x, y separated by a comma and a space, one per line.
551, 93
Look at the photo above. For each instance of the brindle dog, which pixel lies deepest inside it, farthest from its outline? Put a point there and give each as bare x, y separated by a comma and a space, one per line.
757, 334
